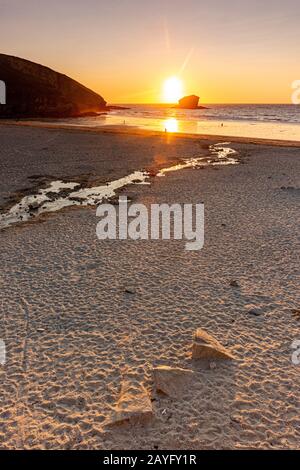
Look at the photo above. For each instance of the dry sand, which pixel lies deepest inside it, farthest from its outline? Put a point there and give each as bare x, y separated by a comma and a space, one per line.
74, 335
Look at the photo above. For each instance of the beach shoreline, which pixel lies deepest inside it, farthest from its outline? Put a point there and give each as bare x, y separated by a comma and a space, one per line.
131, 130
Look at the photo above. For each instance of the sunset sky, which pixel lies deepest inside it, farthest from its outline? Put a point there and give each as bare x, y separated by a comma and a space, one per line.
233, 51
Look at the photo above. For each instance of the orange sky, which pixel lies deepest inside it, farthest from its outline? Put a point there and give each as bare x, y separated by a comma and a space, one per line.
226, 52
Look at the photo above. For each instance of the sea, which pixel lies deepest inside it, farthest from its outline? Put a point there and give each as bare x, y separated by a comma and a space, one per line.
280, 121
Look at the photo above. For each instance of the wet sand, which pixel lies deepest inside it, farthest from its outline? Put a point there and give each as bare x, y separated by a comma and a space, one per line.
74, 333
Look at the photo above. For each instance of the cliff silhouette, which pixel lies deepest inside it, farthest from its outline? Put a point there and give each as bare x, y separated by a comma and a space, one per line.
33, 90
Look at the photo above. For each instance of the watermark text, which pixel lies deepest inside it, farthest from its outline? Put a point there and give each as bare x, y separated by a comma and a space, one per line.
161, 222
296, 93
2, 352
2, 92
296, 353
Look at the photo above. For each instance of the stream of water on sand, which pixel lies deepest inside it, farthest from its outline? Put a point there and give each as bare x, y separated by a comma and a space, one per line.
59, 194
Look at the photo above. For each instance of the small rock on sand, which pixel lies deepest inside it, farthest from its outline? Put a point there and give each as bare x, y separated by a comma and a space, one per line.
255, 312
130, 290
134, 405
207, 347
171, 380
234, 283
33, 206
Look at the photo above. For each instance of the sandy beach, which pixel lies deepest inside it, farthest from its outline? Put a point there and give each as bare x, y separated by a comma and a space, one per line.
80, 317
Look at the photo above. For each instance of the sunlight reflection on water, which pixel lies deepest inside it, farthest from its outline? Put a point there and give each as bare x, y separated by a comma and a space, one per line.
170, 125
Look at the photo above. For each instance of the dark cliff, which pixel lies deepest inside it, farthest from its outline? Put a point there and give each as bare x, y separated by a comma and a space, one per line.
33, 90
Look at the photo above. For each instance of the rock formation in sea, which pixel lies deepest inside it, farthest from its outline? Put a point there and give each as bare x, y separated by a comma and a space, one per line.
190, 102
33, 90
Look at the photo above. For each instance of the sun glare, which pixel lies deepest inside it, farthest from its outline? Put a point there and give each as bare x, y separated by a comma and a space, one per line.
173, 90
170, 125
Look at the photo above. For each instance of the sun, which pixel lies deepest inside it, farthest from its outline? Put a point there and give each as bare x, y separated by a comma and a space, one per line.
172, 90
